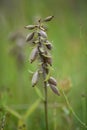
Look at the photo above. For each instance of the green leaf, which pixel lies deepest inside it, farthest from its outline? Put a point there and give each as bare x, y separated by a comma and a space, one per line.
50, 67
30, 71
22, 124
31, 109
47, 76
39, 93
13, 112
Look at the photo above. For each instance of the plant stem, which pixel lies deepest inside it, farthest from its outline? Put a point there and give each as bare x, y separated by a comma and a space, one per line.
84, 110
44, 71
45, 94
46, 105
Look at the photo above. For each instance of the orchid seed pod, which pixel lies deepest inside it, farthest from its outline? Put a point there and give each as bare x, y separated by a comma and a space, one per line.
33, 54
42, 46
35, 78
54, 89
43, 34
48, 45
30, 27
52, 81
49, 18
49, 61
41, 53
30, 37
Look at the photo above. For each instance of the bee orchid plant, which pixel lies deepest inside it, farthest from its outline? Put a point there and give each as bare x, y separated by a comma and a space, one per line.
41, 51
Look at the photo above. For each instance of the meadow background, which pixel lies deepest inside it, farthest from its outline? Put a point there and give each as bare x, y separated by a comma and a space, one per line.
68, 33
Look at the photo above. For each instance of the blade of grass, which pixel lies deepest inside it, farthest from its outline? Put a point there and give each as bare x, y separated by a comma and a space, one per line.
39, 93
31, 109
72, 111
84, 108
13, 112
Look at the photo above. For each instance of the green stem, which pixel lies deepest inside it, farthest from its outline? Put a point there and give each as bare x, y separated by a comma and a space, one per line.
84, 110
46, 105
73, 112
45, 84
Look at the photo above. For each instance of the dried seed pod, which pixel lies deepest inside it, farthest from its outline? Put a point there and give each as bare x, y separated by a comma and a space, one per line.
54, 89
49, 18
52, 81
30, 27
30, 36
33, 55
41, 49
49, 61
35, 78
48, 45
43, 34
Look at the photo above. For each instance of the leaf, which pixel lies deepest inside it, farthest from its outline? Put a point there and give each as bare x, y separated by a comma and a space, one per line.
47, 76
30, 71
13, 112
30, 36
49, 18
31, 109
35, 78
21, 124
39, 93
50, 68
52, 81
54, 89
33, 55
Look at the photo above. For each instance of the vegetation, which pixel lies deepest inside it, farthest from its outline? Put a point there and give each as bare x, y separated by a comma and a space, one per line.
20, 106
41, 46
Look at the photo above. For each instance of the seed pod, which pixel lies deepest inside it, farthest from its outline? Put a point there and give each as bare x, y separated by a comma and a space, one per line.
52, 81
48, 45
49, 61
30, 36
30, 27
43, 34
33, 55
35, 78
47, 58
49, 18
41, 49
54, 89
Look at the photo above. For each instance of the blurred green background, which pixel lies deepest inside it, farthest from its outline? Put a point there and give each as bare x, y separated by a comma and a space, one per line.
68, 33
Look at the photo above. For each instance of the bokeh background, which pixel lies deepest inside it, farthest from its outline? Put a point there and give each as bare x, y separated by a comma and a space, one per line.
68, 33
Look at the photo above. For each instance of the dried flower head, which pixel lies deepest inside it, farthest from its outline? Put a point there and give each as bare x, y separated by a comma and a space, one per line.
41, 52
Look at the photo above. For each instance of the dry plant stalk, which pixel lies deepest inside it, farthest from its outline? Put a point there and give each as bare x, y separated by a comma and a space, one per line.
41, 51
